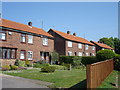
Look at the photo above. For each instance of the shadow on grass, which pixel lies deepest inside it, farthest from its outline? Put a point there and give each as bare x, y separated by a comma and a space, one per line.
82, 84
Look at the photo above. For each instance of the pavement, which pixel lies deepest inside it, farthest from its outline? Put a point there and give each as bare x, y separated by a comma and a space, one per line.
8, 81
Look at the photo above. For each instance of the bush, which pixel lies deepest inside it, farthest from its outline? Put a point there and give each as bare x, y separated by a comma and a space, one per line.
6, 67
66, 59
67, 65
105, 55
14, 67
48, 69
37, 65
54, 57
89, 60
117, 62
21, 63
17, 62
27, 62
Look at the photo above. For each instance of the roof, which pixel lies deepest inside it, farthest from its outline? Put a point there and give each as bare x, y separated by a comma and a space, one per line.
72, 37
102, 45
23, 27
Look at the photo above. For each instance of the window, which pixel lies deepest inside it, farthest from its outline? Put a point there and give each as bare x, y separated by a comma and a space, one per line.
87, 54
80, 54
23, 38
93, 54
45, 41
7, 53
30, 39
2, 35
86, 47
93, 47
79, 45
69, 53
69, 44
102, 48
22, 54
30, 55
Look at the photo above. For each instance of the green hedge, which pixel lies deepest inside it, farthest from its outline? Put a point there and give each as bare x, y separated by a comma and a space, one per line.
37, 65
105, 55
89, 60
117, 62
78, 60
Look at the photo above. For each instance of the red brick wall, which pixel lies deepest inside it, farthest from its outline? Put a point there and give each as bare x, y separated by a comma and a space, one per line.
36, 47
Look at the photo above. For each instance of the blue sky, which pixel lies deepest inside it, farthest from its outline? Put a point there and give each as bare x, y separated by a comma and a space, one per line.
92, 20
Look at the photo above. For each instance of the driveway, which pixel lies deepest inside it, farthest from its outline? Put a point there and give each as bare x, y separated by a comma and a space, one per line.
19, 82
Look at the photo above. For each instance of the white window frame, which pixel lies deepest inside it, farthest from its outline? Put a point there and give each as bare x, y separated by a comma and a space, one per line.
93, 54
23, 38
80, 54
45, 41
86, 47
69, 43
30, 39
79, 45
22, 55
31, 52
69, 53
3, 36
103, 48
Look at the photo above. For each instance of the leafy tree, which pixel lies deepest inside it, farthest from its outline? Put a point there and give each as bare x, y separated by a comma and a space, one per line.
54, 57
112, 42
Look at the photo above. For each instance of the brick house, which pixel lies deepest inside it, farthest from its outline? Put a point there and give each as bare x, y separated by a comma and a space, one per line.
24, 42
101, 46
71, 45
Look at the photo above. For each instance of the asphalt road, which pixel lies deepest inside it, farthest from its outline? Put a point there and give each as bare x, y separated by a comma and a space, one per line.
18, 82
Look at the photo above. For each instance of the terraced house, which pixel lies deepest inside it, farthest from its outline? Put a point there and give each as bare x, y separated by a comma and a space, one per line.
24, 42
71, 45
101, 46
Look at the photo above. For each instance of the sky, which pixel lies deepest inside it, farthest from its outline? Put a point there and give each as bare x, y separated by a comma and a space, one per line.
90, 20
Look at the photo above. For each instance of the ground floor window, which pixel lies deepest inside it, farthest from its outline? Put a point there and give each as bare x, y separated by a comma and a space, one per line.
30, 55
7, 53
69, 53
80, 54
22, 54
87, 54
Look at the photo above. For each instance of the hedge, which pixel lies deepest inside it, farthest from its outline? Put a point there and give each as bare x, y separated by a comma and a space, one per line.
105, 55
117, 62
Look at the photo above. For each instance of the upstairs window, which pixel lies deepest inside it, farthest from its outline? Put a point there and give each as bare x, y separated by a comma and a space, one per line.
2, 35
86, 47
30, 39
69, 53
22, 54
30, 55
79, 45
45, 41
23, 38
69, 44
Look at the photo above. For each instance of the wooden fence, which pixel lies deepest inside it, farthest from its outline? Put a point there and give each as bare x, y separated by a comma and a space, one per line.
97, 72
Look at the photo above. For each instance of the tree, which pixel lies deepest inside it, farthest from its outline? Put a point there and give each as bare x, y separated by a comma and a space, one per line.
112, 42
54, 57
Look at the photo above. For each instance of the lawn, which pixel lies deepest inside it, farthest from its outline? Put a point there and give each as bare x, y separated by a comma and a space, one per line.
110, 80
60, 78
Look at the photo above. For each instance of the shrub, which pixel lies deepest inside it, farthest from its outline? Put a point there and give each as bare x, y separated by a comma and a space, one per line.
48, 69
66, 59
105, 54
27, 62
117, 62
14, 67
6, 67
77, 61
68, 66
17, 62
37, 65
21, 63
54, 57
89, 60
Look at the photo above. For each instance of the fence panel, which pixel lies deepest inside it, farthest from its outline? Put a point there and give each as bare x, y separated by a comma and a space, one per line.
97, 72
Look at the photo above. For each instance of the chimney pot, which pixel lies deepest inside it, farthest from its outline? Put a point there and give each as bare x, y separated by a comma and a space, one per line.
74, 34
30, 23
68, 32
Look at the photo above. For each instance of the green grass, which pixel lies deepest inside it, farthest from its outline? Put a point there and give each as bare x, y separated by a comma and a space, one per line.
111, 79
60, 78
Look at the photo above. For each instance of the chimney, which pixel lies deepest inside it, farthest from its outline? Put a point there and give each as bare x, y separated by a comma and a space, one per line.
68, 32
74, 34
30, 23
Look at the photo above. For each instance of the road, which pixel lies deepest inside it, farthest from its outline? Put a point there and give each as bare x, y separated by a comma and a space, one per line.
18, 82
